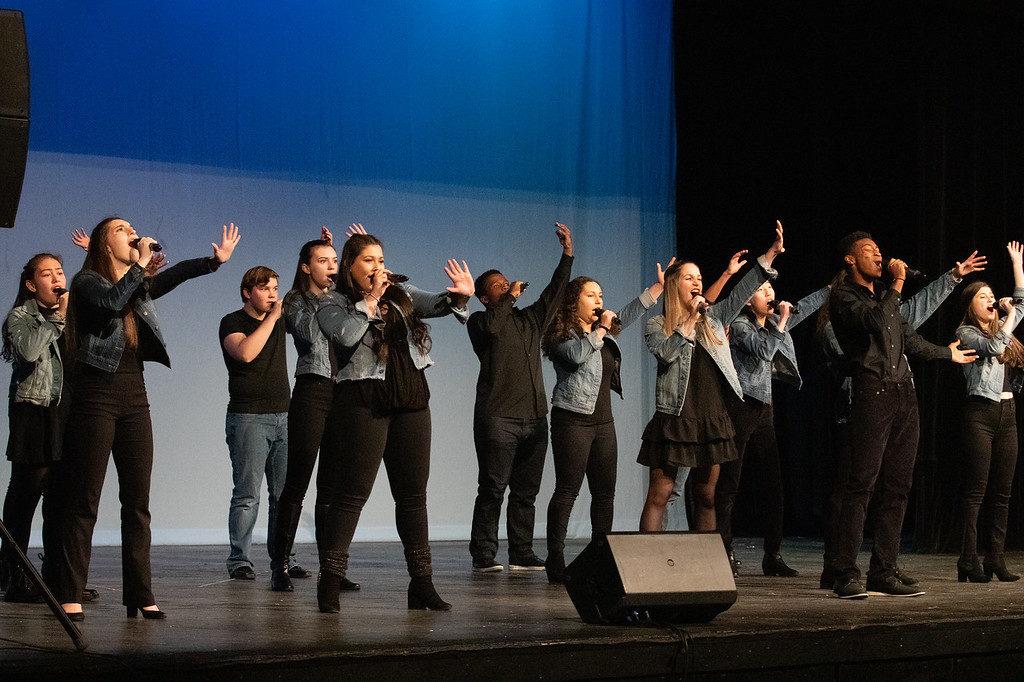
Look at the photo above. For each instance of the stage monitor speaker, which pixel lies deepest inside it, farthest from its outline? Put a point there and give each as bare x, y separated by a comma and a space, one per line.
650, 578
13, 112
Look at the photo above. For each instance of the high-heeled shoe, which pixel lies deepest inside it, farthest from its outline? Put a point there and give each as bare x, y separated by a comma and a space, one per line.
996, 565
133, 612
280, 580
969, 571
328, 586
422, 595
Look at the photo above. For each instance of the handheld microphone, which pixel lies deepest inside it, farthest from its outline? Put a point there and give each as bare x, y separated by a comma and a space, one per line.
396, 278
912, 273
59, 291
598, 312
523, 286
773, 305
703, 305
154, 247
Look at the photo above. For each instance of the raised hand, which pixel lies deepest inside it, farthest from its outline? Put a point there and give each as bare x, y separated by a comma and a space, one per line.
661, 273
777, 246
962, 356
565, 238
1016, 251
158, 261
516, 288
326, 235
228, 241
80, 238
462, 279
973, 263
735, 263
354, 229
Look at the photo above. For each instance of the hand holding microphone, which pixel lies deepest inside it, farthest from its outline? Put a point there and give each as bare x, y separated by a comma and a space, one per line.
606, 318
900, 270
700, 303
153, 245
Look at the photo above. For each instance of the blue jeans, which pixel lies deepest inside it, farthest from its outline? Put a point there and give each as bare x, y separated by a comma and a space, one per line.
258, 444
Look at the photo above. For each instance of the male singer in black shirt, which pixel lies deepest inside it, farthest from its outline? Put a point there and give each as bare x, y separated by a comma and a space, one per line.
883, 424
510, 424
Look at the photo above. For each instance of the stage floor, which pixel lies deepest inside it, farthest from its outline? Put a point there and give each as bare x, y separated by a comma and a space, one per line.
516, 626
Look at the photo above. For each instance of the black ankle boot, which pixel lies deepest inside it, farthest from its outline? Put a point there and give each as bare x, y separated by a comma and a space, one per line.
333, 566
20, 589
968, 570
554, 566
422, 595
996, 565
280, 581
774, 566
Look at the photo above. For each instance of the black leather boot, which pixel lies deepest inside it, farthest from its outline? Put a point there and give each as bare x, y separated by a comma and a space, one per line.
968, 570
328, 583
554, 566
20, 589
422, 594
996, 565
773, 565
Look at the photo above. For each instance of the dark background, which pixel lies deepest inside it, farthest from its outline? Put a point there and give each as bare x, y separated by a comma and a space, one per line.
907, 122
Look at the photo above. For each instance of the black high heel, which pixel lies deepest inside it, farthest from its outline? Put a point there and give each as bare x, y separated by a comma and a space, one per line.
997, 566
422, 595
969, 571
328, 585
133, 612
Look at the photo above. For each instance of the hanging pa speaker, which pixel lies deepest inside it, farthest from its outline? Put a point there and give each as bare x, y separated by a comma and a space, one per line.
649, 578
13, 112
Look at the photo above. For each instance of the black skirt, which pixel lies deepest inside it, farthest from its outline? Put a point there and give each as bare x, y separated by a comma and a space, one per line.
36, 433
703, 433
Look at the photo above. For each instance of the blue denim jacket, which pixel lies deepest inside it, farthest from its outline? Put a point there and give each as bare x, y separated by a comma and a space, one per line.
99, 304
347, 326
577, 361
985, 375
675, 351
310, 342
761, 353
37, 376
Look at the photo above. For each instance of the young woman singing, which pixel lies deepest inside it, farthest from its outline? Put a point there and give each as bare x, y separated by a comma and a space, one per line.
113, 329
581, 344
380, 411
990, 420
691, 426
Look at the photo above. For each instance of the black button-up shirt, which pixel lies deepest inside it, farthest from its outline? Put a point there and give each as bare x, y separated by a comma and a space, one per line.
873, 334
507, 341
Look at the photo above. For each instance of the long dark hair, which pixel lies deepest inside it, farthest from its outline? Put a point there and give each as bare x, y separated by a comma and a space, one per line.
393, 300
1014, 353
24, 294
99, 260
565, 320
301, 282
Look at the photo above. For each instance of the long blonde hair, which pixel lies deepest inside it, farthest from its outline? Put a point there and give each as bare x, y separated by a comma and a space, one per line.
674, 311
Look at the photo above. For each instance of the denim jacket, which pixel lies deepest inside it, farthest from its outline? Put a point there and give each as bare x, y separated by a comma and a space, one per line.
99, 303
761, 353
38, 373
985, 375
347, 326
675, 351
578, 366
310, 342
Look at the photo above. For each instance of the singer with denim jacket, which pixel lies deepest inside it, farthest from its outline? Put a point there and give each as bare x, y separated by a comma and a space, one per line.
691, 426
990, 422
762, 349
581, 344
380, 411
115, 328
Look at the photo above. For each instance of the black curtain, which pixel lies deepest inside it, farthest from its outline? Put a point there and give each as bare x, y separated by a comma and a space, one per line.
907, 122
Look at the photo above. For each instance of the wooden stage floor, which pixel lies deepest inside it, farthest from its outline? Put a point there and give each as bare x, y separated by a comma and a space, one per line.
515, 626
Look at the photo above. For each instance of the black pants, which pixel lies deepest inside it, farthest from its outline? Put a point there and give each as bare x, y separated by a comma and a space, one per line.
883, 433
307, 412
754, 422
355, 441
109, 414
510, 453
579, 451
27, 486
840, 470
990, 446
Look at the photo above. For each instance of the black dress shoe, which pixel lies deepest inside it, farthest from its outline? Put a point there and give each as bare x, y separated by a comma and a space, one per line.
280, 580
773, 566
297, 571
347, 585
904, 578
890, 586
243, 573
969, 571
151, 614
997, 566
849, 588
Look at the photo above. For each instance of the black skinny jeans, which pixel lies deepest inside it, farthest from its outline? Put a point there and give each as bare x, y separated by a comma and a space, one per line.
510, 452
884, 430
355, 441
754, 422
27, 486
990, 443
307, 412
581, 450
109, 414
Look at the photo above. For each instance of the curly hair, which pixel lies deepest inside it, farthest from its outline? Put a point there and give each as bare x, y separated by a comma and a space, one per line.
565, 320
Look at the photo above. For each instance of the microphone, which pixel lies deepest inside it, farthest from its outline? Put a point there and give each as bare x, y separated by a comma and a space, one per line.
703, 305
598, 312
773, 305
523, 286
154, 247
912, 273
396, 278
59, 291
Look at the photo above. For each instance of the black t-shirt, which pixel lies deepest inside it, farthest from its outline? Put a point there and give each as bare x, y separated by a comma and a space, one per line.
260, 386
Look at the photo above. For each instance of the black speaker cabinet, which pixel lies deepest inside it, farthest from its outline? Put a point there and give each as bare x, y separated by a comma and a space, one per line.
640, 578
13, 112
